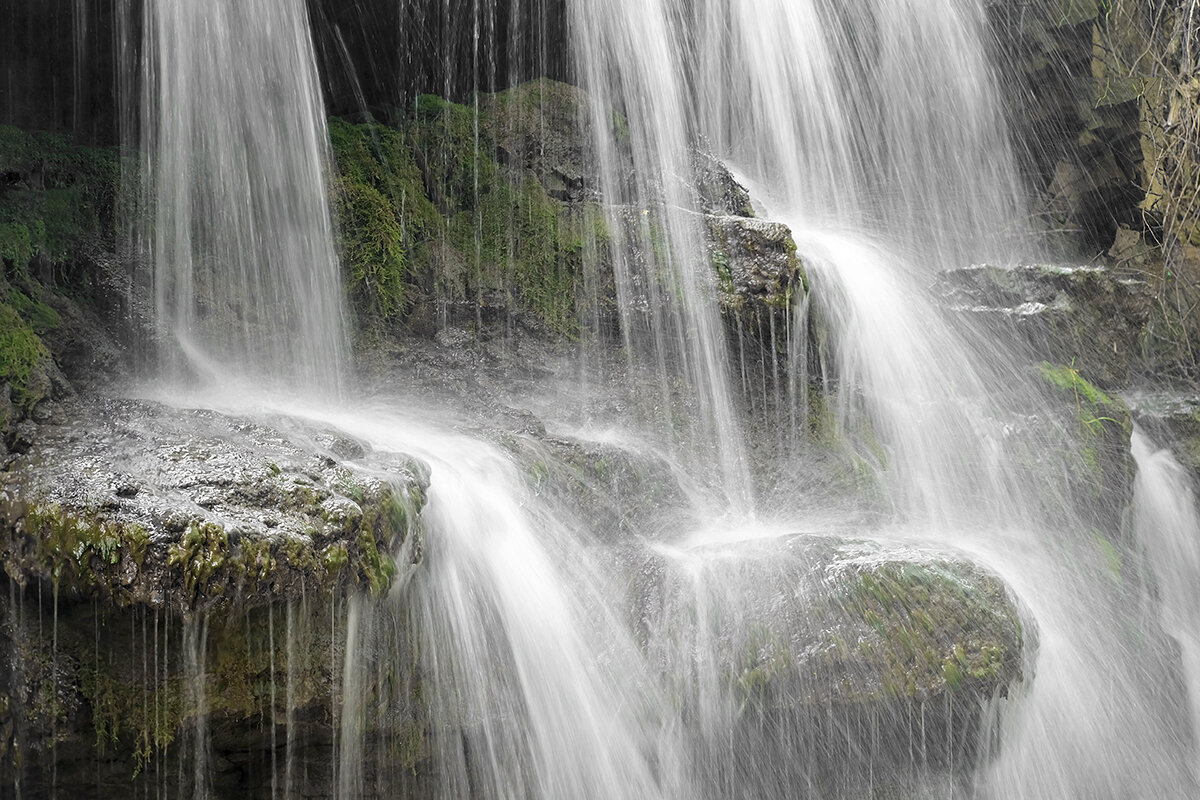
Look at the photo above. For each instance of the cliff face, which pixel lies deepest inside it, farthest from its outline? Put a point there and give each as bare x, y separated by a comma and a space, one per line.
1105, 108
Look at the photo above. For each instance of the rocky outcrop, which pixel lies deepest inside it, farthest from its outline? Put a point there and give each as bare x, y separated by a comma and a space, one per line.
616, 493
186, 511
1172, 419
494, 214
719, 191
1089, 317
1076, 130
1104, 105
197, 568
756, 264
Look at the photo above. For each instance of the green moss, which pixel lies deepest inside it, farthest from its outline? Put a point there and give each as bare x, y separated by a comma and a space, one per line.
766, 658
83, 553
200, 554
378, 566
1096, 410
16, 245
428, 216
137, 714
1110, 554
58, 196
933, 626
335, 557
21, 357
384, 216
41, 317
145, 718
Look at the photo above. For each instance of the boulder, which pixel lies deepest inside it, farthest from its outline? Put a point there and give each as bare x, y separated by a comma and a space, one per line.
849, 648
197, 568
756, 264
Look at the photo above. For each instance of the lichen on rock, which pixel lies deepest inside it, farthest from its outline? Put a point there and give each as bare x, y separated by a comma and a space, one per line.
192, 510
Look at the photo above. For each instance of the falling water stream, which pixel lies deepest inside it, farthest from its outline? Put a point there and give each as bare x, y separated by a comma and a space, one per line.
237, 223
872, 128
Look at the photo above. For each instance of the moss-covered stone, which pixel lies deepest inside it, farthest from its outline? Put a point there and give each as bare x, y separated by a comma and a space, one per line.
23, 359
934, 627
836, 643
433, 225
1096, 411
1084, 438
169, 523
56, 196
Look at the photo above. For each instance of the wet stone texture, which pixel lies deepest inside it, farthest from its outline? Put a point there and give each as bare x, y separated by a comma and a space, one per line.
756, 264
192, 510
1090, 318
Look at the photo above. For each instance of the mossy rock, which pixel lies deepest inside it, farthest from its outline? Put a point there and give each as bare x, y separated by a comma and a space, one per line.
24, 361
1079, 440
433, 226
1091, 317
183, 510
757, 268
56, 197
838, 640
618, 494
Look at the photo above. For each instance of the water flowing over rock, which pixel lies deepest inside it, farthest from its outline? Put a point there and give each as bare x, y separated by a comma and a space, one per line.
683, 454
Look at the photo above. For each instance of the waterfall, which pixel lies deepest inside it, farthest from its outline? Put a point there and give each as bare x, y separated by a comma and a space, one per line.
236, 219
553, 662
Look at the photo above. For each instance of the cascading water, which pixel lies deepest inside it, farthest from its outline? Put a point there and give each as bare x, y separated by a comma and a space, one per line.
872, 129
630, 62
237, 222
535, 687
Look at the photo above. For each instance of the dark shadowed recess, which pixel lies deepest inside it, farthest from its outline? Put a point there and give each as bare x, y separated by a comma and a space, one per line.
59, 69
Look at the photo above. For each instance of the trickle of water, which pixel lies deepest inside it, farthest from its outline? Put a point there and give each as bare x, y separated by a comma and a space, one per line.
196, 756
1167, 523
238, 227
290, 789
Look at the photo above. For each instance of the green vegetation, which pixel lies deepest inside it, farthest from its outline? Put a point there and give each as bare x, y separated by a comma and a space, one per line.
21, 357
1093, 406
1103, 427
85, 553
429, 218
57, 196
55, 200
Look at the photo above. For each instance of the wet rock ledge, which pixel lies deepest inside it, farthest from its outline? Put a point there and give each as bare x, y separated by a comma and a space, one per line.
192, 510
